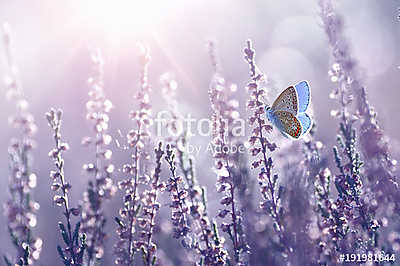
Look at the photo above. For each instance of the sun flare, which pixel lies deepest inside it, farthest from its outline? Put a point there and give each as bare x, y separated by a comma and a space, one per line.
124, 16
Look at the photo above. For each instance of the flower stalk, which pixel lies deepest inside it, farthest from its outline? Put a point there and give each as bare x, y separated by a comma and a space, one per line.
75, 244
270, 190
20, 208
100, 187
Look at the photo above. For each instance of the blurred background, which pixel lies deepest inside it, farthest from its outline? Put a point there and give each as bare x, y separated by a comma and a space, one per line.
52, 41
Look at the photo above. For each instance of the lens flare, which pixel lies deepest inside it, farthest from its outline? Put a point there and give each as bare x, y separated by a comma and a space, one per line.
124, 16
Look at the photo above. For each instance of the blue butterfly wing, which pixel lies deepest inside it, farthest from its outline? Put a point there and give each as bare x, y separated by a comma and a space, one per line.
274, 120
286, 122
305, 122
303, 93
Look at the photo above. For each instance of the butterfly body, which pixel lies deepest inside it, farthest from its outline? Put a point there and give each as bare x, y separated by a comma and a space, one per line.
288, 112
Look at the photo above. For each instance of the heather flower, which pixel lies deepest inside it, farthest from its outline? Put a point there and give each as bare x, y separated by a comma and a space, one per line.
169, 88
330, 226
373, 142
351, 211
225, 113
101, 187
129, 238
178, 205
203, 233
260, 146
73, 252
179, 142
21, 208
310, 218
353, 202
149, 211
331, 222
300, 163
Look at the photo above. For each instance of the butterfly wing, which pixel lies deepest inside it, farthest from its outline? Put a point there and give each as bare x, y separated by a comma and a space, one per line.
303, 95
288, 123
305, 122
286, 101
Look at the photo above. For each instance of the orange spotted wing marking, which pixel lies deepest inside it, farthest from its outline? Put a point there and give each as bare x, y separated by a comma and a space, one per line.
287, 101
290, 124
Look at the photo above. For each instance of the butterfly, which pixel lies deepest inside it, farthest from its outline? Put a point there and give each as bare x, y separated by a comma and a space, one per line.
288, 112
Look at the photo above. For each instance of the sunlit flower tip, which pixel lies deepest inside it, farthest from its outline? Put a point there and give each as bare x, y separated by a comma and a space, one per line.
90, 107
107, 139
144, 179
64, 146
86, 141
53, 153
319, 145
6, 28
226, 200
55, 186
127, 168
333, 95
334, 79
32, 180
89, 167
100, 127
58, 114
35, 205
109, 168
54, 175
99, 252
32, 221
66, 187
107, 106
107, 154
335, 113
90, 81
50, 116
131, 134
140, 144
22, 104
336, 67
59, 200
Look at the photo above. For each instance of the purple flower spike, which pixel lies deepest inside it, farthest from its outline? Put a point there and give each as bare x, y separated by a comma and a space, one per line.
21, 208
101, 186
227, 160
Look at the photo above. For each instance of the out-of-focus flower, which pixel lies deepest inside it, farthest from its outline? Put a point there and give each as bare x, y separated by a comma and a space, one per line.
374, 144
357, 188
101, 186
21, 208
136, 218
204, 234
225, 114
